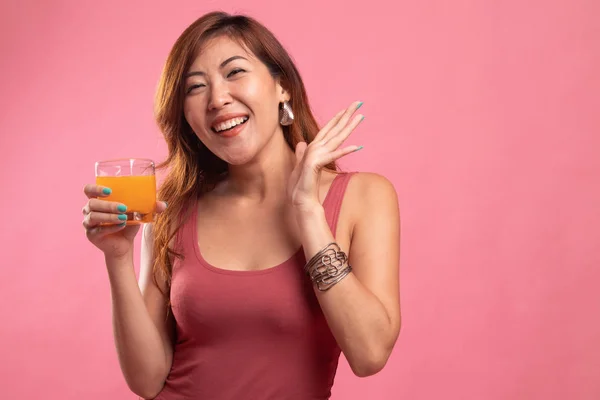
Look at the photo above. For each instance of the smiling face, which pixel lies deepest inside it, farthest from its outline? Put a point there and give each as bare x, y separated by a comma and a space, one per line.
232, 101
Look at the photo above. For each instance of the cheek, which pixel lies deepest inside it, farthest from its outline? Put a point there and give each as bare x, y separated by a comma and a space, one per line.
253, 95
260, 94
192, 115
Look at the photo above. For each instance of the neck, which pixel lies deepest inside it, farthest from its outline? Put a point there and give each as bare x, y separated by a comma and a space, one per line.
267, 175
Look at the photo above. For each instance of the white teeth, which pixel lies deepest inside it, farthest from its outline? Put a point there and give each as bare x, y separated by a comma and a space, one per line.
230, 124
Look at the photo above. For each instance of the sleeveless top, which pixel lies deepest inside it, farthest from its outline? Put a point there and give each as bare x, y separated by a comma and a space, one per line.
250, 334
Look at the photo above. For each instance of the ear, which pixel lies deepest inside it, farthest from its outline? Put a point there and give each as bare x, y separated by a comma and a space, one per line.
282, 92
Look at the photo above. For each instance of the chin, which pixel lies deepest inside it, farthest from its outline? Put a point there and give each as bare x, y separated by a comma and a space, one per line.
238, 161
241, 157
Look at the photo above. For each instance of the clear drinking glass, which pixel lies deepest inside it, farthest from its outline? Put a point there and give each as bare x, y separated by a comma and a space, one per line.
133, 184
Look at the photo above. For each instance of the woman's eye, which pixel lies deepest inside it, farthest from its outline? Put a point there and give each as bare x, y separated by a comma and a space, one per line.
192, 87
235, 72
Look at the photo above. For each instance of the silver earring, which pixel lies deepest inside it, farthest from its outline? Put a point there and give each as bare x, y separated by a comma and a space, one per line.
286, 116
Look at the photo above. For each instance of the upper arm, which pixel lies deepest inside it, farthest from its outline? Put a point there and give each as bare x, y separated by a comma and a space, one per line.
375, 243
155, 301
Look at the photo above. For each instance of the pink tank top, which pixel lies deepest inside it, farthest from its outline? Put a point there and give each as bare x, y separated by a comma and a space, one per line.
244, 335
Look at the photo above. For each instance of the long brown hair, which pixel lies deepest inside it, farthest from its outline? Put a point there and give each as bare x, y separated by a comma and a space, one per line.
192, 168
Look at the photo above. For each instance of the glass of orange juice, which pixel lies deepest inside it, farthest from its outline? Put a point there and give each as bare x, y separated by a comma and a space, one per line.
133, 184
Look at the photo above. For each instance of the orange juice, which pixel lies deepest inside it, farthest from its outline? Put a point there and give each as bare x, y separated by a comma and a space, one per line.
137, 192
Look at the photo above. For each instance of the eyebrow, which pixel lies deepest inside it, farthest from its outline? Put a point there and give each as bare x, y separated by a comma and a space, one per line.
223, 64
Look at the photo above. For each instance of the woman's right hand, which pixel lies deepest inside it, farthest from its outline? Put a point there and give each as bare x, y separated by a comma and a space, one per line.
102, 224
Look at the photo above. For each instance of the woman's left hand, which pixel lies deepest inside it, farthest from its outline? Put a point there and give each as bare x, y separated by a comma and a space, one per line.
303, 187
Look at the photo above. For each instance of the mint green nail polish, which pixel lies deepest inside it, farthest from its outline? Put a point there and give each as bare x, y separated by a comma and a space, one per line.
166, 204
123, 217
106, 191
122, 224
360, 148
359, 105
121, 208
363, 117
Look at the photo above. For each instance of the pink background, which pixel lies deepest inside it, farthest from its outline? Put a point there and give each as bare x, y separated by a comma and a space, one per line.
484, 114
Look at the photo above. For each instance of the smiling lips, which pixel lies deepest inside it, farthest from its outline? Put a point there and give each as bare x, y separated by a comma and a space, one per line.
229, 125
223, 126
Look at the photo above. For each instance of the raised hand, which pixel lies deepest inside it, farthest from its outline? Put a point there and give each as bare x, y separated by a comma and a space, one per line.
303, 187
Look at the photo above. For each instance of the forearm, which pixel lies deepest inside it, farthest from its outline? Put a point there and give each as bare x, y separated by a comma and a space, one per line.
139, 346
356, 317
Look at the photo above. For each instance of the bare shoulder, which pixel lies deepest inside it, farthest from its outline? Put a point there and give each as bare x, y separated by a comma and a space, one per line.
368, 189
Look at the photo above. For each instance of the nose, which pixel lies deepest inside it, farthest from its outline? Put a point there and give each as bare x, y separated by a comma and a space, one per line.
219, 96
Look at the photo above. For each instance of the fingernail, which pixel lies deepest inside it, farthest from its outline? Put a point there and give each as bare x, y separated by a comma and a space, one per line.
122, 217
359, 105
122, 224
359, 148
166, 204
121, 208
106, 191
363, 117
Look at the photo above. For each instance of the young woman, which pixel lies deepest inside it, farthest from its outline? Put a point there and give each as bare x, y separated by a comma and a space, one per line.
267, 262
